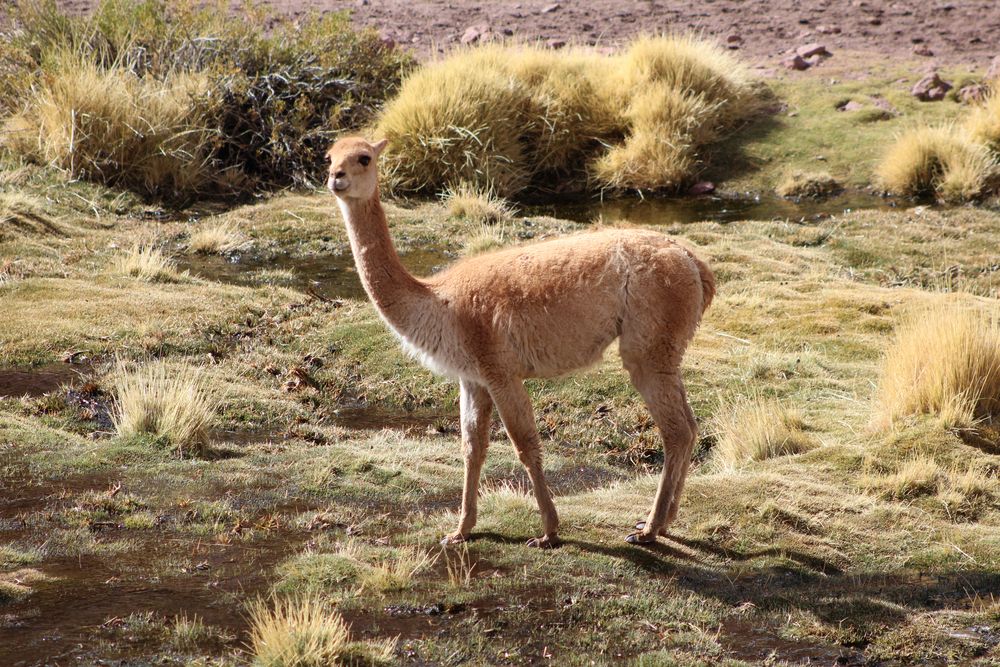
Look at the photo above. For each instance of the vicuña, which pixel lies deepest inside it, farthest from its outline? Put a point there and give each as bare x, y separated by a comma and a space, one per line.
540, 310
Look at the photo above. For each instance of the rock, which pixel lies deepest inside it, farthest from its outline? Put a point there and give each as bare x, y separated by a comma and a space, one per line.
922, 50
973, 93
827, 29
931, 88
993, 73
702, 188
813, 49
851, 106
884, 105
474, 33
733, 41
548, 9
795, 62
555, 43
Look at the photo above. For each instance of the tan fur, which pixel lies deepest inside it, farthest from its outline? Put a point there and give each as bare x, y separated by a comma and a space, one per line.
541, 310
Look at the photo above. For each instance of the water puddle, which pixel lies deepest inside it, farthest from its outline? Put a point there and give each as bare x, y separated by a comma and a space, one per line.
328, 276
33, 382
375, 419
663, 211
745, 641
88, 597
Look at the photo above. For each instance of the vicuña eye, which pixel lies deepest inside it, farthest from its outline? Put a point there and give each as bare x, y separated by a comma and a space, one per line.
364, 160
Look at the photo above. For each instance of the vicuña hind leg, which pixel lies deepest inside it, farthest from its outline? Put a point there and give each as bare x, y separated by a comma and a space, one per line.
663, 392
514, 406
476, 409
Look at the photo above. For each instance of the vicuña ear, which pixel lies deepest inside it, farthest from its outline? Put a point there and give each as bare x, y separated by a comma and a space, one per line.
379, 145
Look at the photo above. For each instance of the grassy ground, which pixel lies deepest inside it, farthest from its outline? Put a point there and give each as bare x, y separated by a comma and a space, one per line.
811, 133
332, 466
871, 545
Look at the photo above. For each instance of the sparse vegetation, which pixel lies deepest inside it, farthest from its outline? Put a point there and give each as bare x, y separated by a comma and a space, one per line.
756, 429
166, 402
501, 117
945, 362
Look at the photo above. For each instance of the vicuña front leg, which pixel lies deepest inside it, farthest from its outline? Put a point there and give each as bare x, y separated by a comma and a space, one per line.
476, 410
514, 406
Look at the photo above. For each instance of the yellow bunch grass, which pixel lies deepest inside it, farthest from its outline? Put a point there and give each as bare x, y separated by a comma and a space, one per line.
945, 362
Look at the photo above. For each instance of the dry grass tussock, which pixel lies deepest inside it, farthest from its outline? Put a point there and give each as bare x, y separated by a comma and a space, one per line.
172, 403
502, 117
808, 184
307, 632
218, 239
953, 163
944, 362
147, 262
467, 202
962, 491
754, 429
113, 126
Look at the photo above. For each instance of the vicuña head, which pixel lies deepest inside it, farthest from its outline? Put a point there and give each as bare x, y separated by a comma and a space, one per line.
540, 310
353, 170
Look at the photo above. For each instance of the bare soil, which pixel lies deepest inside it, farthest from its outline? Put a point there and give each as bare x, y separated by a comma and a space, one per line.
956, 32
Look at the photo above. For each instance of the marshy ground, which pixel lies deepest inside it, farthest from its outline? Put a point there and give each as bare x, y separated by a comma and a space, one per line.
328, 466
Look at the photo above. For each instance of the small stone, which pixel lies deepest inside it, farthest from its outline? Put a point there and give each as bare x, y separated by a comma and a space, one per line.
702, 188
972, 94
931, 88
734, 39
474, 33
555, 43
922, 50
813, 49
827, 29
851, 106
548, 9
884, 105
795, 62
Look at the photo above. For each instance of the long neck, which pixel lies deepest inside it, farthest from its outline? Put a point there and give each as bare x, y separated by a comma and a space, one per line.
397, 295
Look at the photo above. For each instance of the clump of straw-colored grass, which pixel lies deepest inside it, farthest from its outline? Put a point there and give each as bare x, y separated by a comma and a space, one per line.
983, 122
172, 403
945, 362
915, 477
146, 262
943, 162
217, 239
307, 632
808, 184
756, 429
509, 116
479, 205
111, 125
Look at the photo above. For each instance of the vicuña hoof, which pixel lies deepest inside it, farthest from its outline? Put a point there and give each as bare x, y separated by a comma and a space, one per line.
641, 525
640, 537
454, 538
543, 542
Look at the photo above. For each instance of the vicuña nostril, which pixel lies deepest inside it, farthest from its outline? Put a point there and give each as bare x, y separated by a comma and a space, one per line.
340, 174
